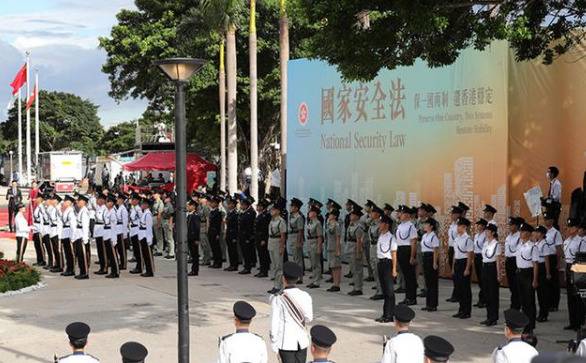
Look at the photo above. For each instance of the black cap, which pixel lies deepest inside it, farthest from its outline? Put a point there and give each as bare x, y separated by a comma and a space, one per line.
492, 227
517, 221
291, 270
296, 202
482, 222
541, 229
56, 197
386, 220
83, 197
369, 203
437, 348
101, 196
351, 202
430, 209
573, 222
247, 199
315, 202
489, 208
404, 313
145, 201
388, 207
515, 319
315, 208
121, 196
322, 336
133, 352
430, 221
135, 196
463, 206
335, 212
69, 198
376, 209
263, 203
333, 204
456, 210
526, 227
357, 212
77, 331
463, 222
557, 357
280, 204
548, 215
244, 311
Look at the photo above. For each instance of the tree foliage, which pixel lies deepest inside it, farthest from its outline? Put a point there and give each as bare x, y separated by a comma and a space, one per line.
118, 138
66, 122
397, 33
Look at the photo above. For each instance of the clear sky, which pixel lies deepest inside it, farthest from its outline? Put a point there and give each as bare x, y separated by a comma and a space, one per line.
62, 36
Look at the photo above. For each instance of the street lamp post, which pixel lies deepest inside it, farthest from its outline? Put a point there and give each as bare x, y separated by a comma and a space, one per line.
179, 70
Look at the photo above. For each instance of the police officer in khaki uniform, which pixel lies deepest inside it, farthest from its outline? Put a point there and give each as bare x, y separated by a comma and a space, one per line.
295, 233
365, 220
355, 234
315, 245
276, 244
168, 222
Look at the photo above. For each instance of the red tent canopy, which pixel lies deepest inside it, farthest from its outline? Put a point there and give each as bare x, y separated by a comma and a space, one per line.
197, 167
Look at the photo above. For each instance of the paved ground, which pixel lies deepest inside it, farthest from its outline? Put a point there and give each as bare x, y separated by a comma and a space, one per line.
134, 308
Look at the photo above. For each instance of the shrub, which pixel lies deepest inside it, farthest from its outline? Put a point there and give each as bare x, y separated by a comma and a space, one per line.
15, 276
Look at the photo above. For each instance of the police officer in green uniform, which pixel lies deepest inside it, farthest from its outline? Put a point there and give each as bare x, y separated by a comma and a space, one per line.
203, 210
157, 210
373, 233
168, 216
365, 220
333, 236
348, 254
355, 234
276, 244
295, 233
315, 244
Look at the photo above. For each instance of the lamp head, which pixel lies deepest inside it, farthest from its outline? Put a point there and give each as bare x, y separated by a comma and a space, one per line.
180, 69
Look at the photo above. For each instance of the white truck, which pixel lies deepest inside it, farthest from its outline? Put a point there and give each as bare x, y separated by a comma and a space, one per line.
63, 168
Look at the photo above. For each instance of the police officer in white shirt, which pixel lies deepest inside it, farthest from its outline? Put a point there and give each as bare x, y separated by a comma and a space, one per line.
554, 195
437, 349
407, 248
572, 245
386, 253
145, 236
489, 212
430, 255
479, 240
81, 236
404, 347
512, 242
462, 268
55, 226
554, 242
527, 273
37, 229
322, 340
135, 215
516, 350
452, 234
111, 237
133, 352
544, 274
121, 230
68, 223
291, 310
22, 230
242, 346
78, 333
491, 274
99, 234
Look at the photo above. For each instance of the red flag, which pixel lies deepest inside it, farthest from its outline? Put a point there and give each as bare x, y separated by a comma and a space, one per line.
31, 98
19, 80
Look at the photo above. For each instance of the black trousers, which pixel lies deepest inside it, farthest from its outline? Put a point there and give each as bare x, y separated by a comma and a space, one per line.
527, 294
543, 291
232, 245
575, 304
112, 257
511, 271
385, 277
554, 282
68, 252
101, 254
79, 247
11, 216
293, 356
121, 252
263, 257
431, 280
450, 261
491, 290
214, 240
147, 256
20, 248
136, 252
194, 253
478, 270
56, 252
248, 255
463, 288
404, 257
39, 248
47, 243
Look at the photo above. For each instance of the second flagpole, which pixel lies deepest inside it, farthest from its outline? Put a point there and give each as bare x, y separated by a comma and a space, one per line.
28, 121
37, 123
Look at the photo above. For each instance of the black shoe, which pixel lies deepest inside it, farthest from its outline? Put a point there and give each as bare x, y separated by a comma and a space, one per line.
409, 302
131, 260
351, 284
484, 322
81, 277
355, 293
157, 254
274, 290
570, 327
457, 315
480, 305
452, 300
112, 276
376, 297
47, 267
312, 286
373, 288
146, 274
135, 271
56, 269
328, 272
122, 268
67, 273
383, 319
261, 275
244, 272
215, 266
422, 294
231, 268
330, 280
464, 316
491, 323
169, 257
400, 290
334, 289
192, 274
431, 309
100, 272
369, 279
348, 275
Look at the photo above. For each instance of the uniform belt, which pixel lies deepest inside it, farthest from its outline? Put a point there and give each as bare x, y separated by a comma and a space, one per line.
142, 228
133, 225
37, 221
53, 225
79, 226
490, 263
107, 227
66, 226
119, 223
373, 243
99, 223
45, 224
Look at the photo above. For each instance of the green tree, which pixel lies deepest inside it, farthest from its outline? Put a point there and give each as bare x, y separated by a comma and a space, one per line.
118, 138
67, 122
397, 33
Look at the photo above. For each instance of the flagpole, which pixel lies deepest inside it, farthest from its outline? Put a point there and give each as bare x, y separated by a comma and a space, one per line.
28, 121
19, 138
37, 121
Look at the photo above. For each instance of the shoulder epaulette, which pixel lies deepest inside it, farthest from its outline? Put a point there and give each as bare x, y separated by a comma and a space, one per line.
225, 337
